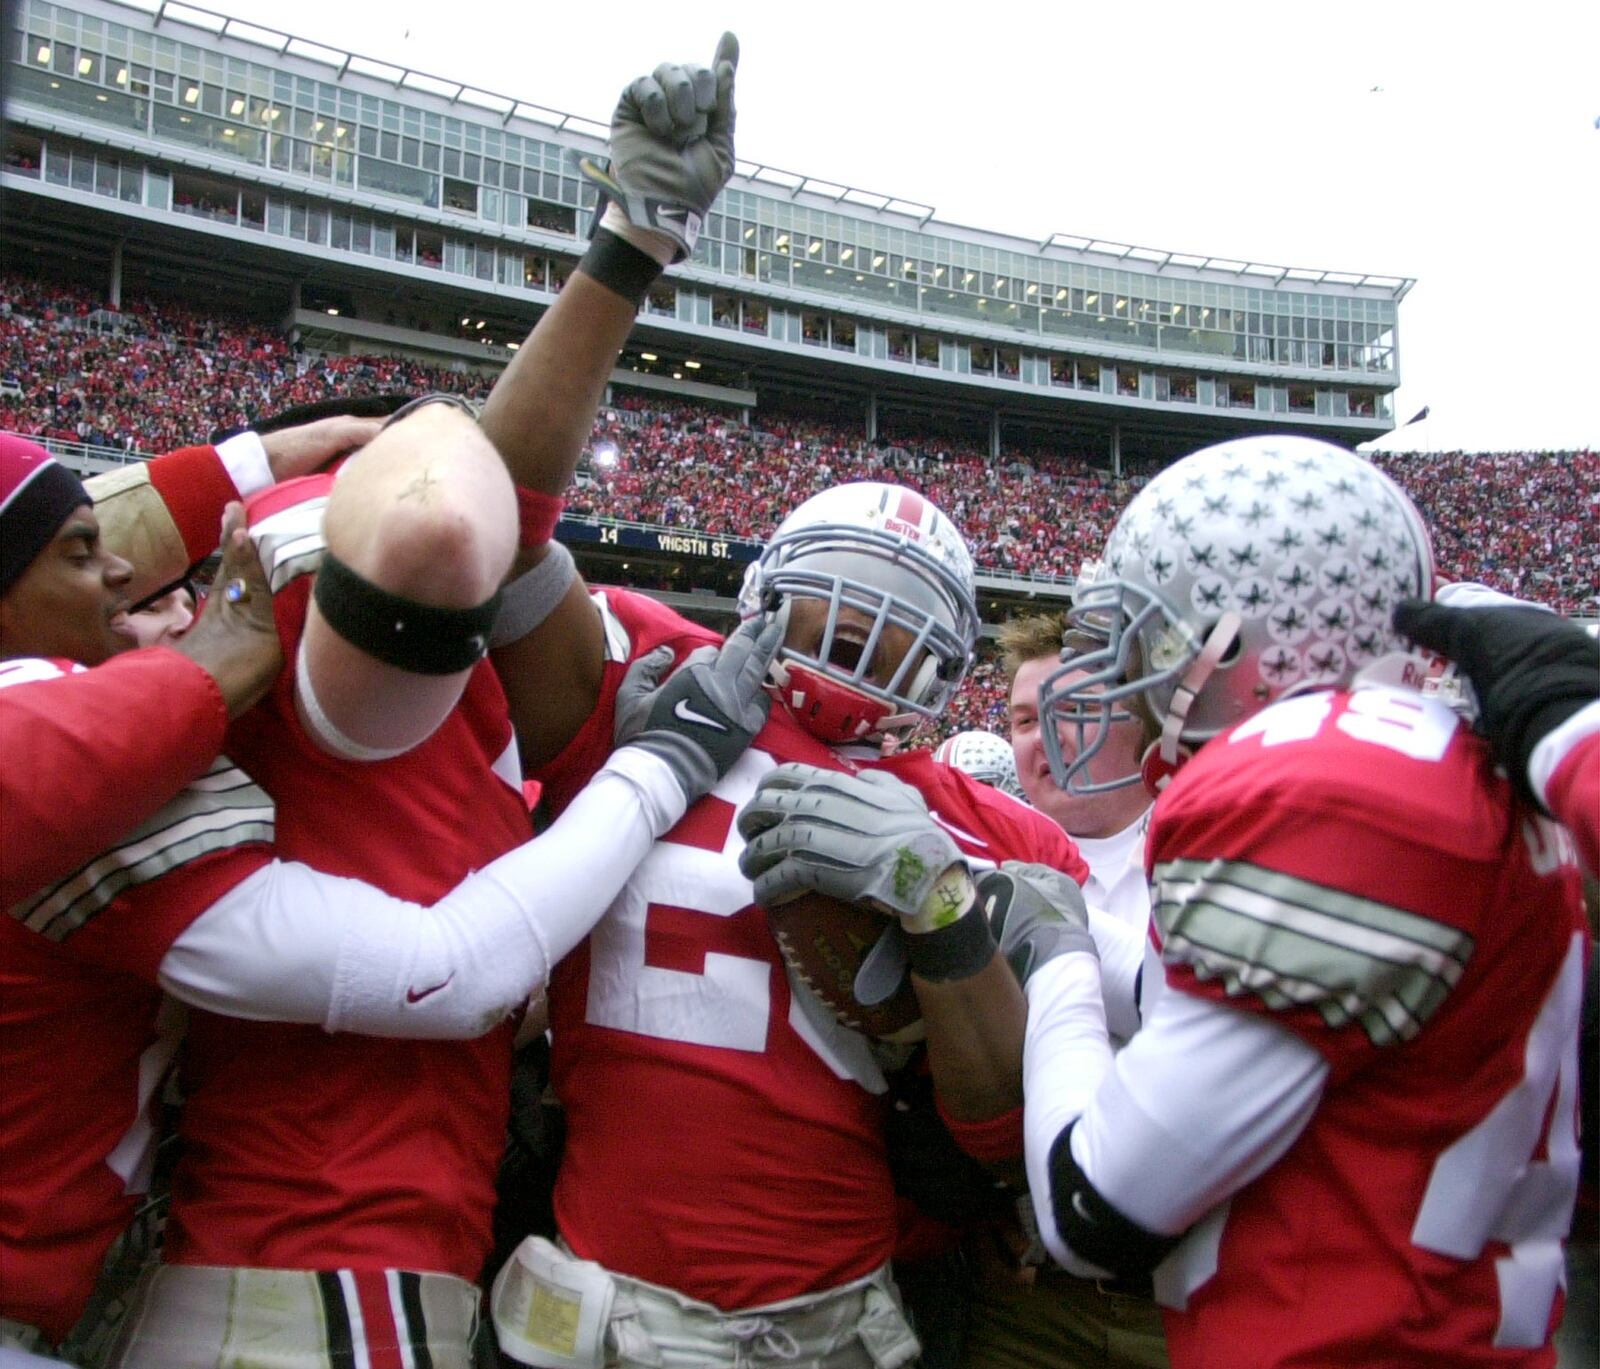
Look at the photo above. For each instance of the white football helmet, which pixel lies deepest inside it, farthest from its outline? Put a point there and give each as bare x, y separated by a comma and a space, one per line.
1247, 571
895, 560
986, 757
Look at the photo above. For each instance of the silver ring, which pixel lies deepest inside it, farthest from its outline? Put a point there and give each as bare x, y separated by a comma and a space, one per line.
236, 591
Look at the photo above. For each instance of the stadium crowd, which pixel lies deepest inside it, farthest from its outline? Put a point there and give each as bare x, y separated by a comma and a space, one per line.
692, 468
157, 373
1521, 521
765, 1041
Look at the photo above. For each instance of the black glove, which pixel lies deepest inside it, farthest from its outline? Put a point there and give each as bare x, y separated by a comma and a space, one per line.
702, 719
1531, 671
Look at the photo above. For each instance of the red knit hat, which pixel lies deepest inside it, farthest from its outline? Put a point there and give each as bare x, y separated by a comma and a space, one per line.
36, 495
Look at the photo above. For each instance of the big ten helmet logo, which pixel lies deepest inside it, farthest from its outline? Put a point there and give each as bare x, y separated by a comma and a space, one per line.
906, 518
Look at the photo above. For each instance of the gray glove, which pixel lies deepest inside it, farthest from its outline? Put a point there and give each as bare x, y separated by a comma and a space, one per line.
671, 147
1035, 913
856, 838
701, 720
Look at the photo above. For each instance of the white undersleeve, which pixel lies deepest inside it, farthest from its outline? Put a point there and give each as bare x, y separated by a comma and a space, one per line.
325, 732
1121, 947
292, 944
1065, 1054
1554, 747
1203, 1100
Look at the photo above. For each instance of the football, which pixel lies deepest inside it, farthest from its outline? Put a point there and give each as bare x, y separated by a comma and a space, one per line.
825, 943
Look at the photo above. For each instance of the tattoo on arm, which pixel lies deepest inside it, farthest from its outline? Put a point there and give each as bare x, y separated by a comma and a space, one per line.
420, 488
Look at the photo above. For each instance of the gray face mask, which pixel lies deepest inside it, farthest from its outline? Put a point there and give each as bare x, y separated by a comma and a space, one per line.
891, 584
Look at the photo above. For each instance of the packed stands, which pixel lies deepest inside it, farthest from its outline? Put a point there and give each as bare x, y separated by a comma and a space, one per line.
1525, 522
157, 374
685, 467
982, 704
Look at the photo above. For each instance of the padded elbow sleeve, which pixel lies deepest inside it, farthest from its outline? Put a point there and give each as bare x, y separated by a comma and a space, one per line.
1092, 1228
425, 639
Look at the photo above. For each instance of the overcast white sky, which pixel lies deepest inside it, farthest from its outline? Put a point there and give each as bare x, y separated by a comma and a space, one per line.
1242, 130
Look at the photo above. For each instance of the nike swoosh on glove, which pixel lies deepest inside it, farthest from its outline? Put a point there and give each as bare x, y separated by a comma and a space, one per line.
671, 147
704, 716
1035, 913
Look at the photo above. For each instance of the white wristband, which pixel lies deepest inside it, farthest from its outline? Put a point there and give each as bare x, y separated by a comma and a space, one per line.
647, 240
245, 457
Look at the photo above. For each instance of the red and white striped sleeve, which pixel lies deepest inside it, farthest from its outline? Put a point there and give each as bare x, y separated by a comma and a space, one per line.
86, 756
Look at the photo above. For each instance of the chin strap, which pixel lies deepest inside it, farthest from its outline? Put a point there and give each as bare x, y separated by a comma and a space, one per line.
1164, 756
829, 711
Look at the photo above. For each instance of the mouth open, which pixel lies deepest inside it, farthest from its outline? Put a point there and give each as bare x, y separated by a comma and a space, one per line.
846, 652
119, 623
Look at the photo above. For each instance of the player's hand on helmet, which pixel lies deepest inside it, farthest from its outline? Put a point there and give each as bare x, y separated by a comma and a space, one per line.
703, 716
857, 838
1035, 914
235, 638
671, 148
1530, 669
306, 448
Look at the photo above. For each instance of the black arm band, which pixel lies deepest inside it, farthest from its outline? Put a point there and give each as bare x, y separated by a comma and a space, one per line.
619, 266
422, 638
1094, 1229
958, 951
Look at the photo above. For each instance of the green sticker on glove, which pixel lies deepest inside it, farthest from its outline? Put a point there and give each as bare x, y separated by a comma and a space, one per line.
909, 871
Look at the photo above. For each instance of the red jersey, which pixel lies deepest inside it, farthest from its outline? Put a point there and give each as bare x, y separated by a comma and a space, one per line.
307, 1150
116, 741
1008, 825
84, 1039
720, 1141
1352, 866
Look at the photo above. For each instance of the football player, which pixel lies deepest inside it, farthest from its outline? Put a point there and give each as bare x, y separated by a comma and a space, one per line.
742, 1119
745, 1121
334, 1194
192, 902
1345, 1134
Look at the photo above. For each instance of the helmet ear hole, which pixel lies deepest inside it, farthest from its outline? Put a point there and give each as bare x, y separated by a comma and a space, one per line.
1231, 652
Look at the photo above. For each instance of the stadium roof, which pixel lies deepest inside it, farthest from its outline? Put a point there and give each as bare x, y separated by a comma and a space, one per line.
509, 109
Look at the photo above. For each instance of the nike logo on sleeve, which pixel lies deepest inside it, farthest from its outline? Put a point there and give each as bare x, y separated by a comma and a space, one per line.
416, 996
